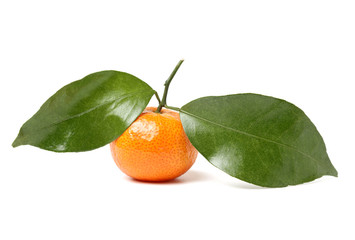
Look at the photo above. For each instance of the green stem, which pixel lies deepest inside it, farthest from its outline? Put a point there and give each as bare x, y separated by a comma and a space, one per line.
172, 108
157, 96
166, 84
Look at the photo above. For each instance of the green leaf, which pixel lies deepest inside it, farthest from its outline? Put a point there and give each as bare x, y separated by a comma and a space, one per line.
87, 114
259, 139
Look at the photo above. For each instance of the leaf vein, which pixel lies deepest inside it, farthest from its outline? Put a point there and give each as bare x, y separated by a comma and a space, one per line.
122, 97
249, 134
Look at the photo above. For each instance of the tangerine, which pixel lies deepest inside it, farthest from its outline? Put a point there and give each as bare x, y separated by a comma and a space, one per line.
155, 147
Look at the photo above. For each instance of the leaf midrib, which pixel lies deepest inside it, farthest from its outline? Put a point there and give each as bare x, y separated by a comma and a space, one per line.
249, 134
122, 97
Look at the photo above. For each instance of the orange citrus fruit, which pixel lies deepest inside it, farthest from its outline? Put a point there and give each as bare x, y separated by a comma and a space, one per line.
154, 148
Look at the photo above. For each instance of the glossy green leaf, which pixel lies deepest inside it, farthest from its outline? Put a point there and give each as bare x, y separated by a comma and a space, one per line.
87, 114
258, 139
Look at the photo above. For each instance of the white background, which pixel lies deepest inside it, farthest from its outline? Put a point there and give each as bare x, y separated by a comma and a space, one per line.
300, 51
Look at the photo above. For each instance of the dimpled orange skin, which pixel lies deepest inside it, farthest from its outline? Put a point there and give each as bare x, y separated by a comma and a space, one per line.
154, 148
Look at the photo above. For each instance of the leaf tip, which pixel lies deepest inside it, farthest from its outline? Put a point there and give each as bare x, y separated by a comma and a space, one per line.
333, 172
15, 143
18, 140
